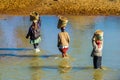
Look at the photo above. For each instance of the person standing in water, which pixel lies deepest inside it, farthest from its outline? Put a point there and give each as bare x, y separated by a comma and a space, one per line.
63, 42
34, 34
97, 42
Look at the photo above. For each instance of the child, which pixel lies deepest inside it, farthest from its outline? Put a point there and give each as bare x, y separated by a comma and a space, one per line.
63, 42
34, 34
97, 42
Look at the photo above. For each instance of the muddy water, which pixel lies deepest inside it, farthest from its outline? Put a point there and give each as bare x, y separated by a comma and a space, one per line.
18, 60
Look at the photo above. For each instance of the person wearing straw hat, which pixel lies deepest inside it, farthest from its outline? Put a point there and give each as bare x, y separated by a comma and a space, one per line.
63, 42
97, 42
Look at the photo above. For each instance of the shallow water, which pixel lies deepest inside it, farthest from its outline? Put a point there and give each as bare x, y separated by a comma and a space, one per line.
18, 60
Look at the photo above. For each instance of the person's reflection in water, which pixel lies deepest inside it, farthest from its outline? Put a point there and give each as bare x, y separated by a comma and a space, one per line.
98, 75
64, 69
36, 64
64, 66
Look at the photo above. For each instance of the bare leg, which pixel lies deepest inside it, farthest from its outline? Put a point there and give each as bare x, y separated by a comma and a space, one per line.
35, 46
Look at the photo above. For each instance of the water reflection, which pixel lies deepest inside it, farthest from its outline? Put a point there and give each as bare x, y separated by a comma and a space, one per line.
64, 66
37, 72
98, 75
64, 69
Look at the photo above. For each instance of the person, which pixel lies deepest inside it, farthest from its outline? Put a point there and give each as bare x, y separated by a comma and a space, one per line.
63, 42
97, 42
34, 35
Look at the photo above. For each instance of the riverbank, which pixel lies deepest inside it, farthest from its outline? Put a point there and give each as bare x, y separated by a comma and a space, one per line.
60, 7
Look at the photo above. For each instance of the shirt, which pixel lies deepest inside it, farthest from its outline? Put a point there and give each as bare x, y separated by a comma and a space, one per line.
63, 39
97, 50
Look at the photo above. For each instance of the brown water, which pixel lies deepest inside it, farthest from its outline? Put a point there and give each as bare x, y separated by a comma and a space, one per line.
18, 60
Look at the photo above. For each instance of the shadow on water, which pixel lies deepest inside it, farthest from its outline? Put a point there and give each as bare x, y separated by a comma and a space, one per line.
57, 67
30, 55
15, 49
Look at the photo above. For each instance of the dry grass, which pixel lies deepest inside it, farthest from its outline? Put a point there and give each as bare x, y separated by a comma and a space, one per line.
62, 7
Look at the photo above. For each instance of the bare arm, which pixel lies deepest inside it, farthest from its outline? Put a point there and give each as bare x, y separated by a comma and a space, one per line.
93, 42
68, 38
58, 41
28, 34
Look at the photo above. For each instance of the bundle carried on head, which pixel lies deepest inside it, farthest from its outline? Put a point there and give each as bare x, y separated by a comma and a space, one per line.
34, 16
62, 22
99, 35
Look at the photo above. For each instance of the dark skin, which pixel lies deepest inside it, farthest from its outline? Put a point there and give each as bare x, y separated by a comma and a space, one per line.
62, 29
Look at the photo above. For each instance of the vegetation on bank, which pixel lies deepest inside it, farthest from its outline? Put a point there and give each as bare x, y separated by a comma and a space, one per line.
63, 7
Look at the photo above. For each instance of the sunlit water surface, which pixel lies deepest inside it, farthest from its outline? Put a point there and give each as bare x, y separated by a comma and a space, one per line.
18, 60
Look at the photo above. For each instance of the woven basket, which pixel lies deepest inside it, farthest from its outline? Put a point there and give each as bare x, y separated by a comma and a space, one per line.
62, 22
33, 16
